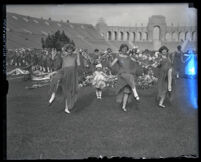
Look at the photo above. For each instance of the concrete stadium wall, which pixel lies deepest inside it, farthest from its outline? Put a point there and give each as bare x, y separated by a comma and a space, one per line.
156, 30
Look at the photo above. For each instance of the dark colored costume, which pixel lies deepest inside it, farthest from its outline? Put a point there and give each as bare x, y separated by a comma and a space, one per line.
164, 66
57, 62
49, 62
178, 65
126, 78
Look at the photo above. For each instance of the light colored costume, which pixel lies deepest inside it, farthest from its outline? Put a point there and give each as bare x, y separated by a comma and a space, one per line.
99, 78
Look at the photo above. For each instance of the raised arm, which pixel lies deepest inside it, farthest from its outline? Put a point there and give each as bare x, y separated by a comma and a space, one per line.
113, 62
78, 59
133, 59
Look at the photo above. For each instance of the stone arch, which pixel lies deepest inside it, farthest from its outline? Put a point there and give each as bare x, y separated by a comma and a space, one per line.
115, 35
175, 36
109, 35
194, 36
138, 36
134, 37
168, 37
144, 36
187, 35
121, 36
127, 36
156, 33
181, 36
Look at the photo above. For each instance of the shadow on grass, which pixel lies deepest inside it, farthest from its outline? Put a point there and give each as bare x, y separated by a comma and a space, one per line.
83, 102
134, 104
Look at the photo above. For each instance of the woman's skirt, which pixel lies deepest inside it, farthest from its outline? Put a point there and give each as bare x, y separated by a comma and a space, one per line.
162, 86
65, 84
125, 84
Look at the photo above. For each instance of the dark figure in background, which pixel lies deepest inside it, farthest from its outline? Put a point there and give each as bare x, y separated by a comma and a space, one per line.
17, 59
96, 57
57, 61
10, 58
49, 63
107, 57
44, 61
40, 60
178, 62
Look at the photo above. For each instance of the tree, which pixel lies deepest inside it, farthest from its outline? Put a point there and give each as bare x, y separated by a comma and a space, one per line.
56, 40
43, 43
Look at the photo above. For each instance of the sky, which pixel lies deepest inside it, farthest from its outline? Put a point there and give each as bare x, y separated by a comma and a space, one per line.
113, 14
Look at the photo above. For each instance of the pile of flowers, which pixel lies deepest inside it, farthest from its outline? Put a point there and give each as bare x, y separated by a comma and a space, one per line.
147, 60
146, 81
87, 81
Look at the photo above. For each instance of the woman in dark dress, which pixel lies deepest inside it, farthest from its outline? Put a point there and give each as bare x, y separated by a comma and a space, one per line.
178, 61
126, 84
65, 81
57, 61
166, 79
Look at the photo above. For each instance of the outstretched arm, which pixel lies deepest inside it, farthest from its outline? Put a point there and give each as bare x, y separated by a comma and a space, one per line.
114, 62
78, 59
133, 59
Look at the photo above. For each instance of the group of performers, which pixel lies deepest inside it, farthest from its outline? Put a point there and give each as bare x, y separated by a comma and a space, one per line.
43, 60
65, 82
70, 65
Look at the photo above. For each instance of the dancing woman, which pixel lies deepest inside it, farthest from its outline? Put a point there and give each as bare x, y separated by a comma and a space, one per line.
126, 77
65, 81
166, 76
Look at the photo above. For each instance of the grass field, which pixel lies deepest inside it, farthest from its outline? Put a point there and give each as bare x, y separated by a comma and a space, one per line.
98, 127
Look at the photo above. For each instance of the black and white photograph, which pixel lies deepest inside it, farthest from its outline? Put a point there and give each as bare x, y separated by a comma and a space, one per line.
101, 80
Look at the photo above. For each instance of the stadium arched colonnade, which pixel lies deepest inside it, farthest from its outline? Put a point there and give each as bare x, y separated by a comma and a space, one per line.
140, 34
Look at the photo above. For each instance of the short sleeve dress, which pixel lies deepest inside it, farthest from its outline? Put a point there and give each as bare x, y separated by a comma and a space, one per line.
126, 77
162, 87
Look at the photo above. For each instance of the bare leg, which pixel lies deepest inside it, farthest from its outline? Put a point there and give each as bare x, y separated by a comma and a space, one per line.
125, 99
170, 80
135, 94
100, 94
177, 74
161, 102
66, 107
52, 98
97, 95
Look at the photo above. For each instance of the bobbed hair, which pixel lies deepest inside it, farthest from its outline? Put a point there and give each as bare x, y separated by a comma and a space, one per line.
163, 48
122, 46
